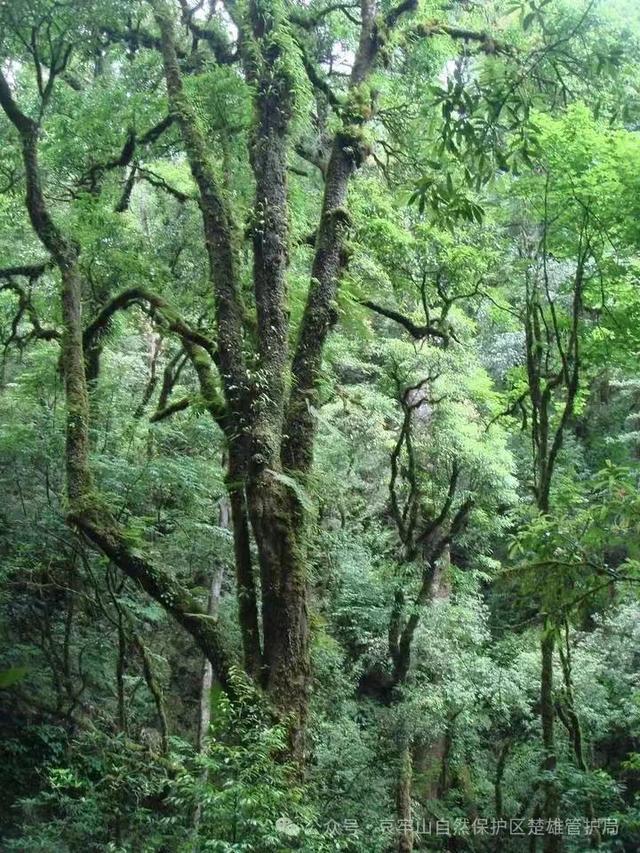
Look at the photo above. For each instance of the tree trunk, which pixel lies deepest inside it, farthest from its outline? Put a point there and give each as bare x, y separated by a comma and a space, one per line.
574, 729
278, 525
550, 809
403, 802
497, 789
245, 582
204, 718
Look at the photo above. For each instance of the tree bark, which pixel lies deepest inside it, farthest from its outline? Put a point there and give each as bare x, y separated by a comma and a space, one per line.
550, 810
278, 525
403, 802
245, 583
204, 718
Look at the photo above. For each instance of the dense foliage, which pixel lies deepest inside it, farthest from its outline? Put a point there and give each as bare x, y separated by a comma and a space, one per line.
320, 425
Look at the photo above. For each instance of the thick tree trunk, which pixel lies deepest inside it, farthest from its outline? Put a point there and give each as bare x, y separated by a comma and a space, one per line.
280, 433
276, 519
278, 524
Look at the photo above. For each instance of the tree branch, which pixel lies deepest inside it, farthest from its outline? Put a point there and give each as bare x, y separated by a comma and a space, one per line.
316, 79
416, 331
309, 20
131, 144
178, 406
25, 306
163, 588
22, 122
217, 230
487, 44
169, 316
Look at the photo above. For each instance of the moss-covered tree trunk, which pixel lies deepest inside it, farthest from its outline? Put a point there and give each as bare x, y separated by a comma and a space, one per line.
278, 525
403, 801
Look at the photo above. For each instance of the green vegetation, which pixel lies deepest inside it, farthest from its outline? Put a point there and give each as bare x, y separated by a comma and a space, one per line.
319, 426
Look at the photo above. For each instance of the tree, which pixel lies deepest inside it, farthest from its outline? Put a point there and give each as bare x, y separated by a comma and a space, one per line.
266, 401
344, 301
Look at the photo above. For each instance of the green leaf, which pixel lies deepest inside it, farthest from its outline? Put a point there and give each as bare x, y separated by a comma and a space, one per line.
12, 676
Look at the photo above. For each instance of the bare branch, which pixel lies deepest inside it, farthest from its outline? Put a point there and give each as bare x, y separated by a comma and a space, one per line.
131, 144
416, 331
308, 20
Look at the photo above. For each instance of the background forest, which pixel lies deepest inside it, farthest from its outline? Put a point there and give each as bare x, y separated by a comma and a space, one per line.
319, 425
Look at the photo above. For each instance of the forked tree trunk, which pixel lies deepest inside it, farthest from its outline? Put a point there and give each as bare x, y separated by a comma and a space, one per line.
273, 413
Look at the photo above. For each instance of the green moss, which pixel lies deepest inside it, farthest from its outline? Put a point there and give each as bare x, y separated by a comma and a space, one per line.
340, 216
355, 141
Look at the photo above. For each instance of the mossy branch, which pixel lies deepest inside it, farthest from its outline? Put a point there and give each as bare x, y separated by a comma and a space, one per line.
172, 409
162, 587
164, 312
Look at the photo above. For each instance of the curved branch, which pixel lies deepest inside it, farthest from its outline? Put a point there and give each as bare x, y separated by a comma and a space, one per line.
21, 121
416, 331
169, 316
163, 588
171, 409
309, 20
315, 77
402, 654
215, 39
211, 396
486, 43
136, 39
436, 522
396, 13
159, 182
